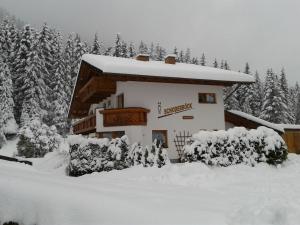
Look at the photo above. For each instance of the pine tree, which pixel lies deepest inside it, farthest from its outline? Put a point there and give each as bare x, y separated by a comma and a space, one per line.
143, 49
7, 120
175, 52
60, 98
34, 87
298, 110
287, 115
195, 61
20, 65
215, 64
226, 66
272, 102
80, 48
152, 51
131, 50
242, 93
70, 60
187, 56
160, 53
222, 65
124, 50
181, 57
118, 46
203, 60
97, 48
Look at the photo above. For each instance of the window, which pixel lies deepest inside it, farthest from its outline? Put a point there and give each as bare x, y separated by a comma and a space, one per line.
120, 101
111, 135
161, 136
209, 98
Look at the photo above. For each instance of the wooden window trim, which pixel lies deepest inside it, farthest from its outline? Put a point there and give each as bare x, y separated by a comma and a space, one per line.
165, 133
206, 94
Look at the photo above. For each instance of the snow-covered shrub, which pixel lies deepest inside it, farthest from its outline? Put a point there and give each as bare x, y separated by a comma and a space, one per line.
135, 154
156, 156
88, 155
235, 146
117, 153
37, 139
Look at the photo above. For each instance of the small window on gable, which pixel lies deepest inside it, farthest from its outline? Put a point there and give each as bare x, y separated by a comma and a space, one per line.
208, 98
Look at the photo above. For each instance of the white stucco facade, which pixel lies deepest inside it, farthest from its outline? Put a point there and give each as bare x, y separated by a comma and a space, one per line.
149, 95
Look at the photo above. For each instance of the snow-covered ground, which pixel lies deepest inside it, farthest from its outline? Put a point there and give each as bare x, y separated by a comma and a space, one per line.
175, 194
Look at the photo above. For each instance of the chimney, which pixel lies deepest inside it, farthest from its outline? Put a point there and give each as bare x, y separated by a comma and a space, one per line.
142, 57
170, 59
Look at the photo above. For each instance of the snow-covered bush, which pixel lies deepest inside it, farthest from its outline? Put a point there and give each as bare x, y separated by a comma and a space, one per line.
235, 146
117, 153
156, 156
88, 155
135, 154
37, 139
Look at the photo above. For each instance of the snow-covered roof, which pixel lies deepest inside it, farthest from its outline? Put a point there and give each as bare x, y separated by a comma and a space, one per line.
290, 126
258, 120
116, 65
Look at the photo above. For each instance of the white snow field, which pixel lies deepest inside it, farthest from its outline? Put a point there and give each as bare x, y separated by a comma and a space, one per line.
191, 193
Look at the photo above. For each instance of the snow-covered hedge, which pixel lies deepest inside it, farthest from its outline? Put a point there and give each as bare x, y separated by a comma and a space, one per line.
235, 146
88, 155
37, 139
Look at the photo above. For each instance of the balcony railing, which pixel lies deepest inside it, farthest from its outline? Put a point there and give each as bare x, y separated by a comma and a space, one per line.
86, 125
124, 117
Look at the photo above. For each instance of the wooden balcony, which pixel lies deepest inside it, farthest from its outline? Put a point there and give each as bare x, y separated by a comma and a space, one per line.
124, 117
97, 89
85, 126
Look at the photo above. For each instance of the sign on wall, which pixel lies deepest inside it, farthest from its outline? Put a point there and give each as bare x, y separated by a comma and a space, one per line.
173, 110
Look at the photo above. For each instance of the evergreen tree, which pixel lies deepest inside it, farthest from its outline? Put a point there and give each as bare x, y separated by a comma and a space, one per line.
222, 65
7, 40
143, 49
287, 116
118, 46
253, 97
203, 60
131, 50
124, 50
70, 60
152, 52
34, 87
160, 53
215, 64
60, 98
181, 57
175, 52
298, 110
97, 48
20, 65
8, 124
195, 61
272, 102
187, 56
80, 48
226, 66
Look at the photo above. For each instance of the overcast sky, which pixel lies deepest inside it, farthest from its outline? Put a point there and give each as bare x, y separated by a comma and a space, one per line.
264, 33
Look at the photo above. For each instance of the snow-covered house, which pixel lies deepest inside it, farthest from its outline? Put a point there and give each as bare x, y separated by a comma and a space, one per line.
289, 132
149, 100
